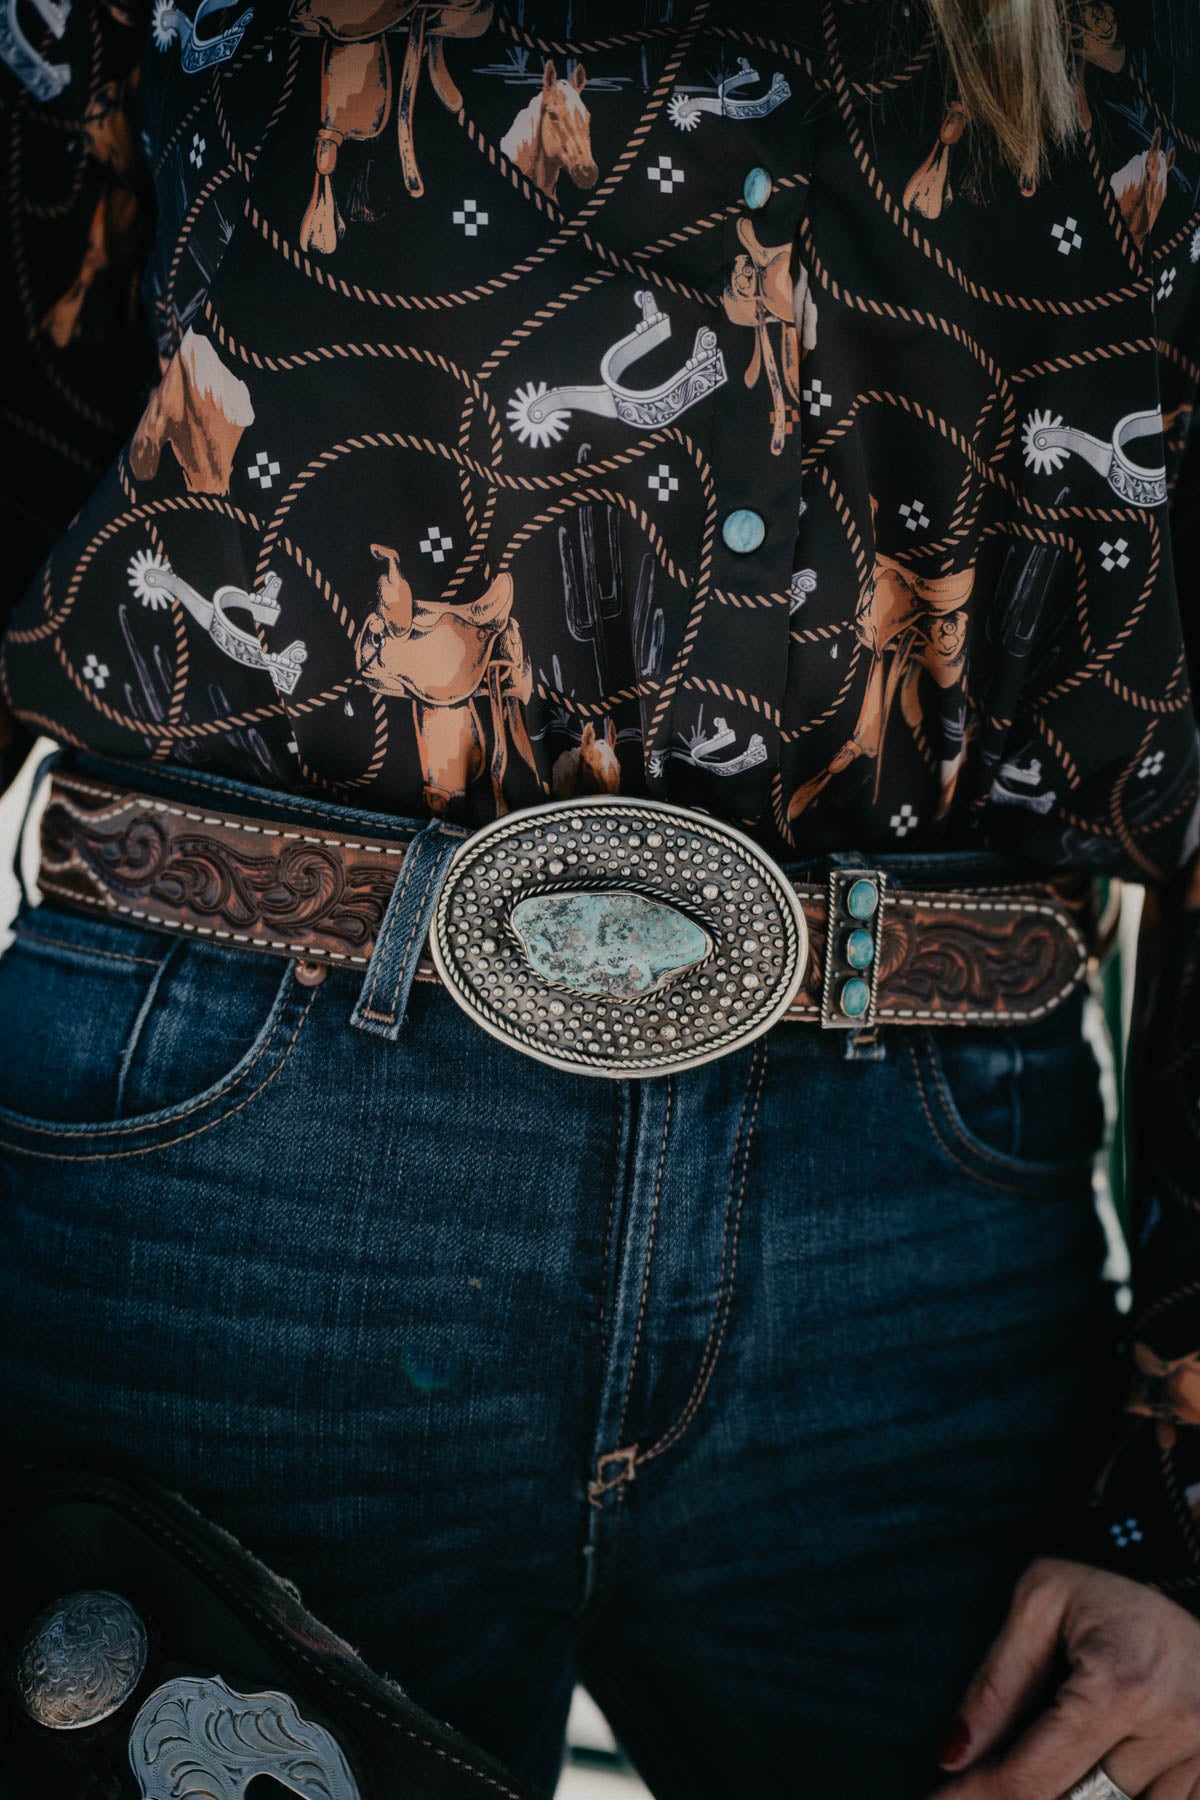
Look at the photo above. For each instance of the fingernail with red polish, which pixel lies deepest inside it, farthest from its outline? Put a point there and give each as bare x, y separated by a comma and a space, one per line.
955, 1746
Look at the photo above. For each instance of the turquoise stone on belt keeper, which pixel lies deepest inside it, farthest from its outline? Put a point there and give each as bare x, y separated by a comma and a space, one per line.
855, 997
862, 899
860, 949
619, 944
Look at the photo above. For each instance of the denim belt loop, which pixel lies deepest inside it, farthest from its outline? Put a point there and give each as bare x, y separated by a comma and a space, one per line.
383, 997
50, 761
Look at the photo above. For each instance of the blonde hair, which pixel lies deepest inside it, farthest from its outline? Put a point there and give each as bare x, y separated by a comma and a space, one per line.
1011, 61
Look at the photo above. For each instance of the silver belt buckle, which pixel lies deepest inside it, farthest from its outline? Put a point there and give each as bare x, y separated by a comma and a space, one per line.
618, 937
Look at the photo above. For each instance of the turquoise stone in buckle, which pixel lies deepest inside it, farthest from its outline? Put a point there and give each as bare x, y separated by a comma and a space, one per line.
618, 944
618, 937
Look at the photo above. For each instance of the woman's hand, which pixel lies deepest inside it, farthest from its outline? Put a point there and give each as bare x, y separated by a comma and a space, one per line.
1131, 1699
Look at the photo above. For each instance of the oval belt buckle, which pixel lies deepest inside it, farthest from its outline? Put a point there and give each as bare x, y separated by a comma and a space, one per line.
618, 937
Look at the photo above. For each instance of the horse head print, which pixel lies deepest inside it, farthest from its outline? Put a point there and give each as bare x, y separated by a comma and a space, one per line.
1140, 187
196, 1739
200, 408
589, 767
1166, 1389
554, 132
442, 657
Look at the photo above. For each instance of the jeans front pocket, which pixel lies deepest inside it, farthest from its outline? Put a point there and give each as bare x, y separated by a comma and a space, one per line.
114, 1032
1017, 1107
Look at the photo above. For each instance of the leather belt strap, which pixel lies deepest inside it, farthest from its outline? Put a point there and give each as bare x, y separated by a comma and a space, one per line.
296, 888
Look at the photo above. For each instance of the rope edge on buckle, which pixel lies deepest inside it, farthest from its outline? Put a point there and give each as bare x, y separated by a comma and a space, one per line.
645, 1058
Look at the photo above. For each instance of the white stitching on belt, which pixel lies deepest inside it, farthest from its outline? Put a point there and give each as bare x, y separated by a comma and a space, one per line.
978, 1016
309, 952
144, 802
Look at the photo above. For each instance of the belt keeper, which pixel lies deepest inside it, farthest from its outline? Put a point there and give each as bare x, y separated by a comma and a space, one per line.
383, 998
853, 941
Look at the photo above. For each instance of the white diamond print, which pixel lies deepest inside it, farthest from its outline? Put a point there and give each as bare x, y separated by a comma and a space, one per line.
662, 482
1112, 556
665, 175
815, 397
196, 153
1194, 252
470, 217
1068, 236
1166, 283
435, 543
904, 821
95, 671
914, 515
1151, 765
263, 469
1125, 1532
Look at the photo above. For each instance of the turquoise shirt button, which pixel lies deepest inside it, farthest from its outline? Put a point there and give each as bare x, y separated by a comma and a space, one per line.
862, 899
744, 530
855, 997
860, 949
756, 189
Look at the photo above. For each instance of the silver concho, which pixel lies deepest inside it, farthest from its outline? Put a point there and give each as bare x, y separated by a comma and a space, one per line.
196, 1738
81, 1660
618, 937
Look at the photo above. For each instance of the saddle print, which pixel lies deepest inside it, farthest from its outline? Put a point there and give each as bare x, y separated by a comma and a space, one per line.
357, 86
910, 624
442, 658
760, 295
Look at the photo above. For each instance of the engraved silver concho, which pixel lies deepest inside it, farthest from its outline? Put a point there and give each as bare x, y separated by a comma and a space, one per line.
197, 1736
81, 1660
618, 937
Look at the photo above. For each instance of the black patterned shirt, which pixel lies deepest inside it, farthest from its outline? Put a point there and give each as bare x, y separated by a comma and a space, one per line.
463, 404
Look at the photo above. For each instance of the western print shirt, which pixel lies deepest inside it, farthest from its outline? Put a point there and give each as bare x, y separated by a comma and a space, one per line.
447, 405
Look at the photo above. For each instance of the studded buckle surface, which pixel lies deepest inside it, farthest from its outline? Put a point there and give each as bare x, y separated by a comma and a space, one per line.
618, 937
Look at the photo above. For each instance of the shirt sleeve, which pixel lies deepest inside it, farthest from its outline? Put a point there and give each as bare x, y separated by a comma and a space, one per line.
76, 203
1145, 1506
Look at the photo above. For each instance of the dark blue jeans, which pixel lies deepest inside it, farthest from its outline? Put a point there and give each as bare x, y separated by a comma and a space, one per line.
741, 1395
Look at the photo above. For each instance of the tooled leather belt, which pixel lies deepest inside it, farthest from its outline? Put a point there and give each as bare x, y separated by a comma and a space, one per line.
294, 888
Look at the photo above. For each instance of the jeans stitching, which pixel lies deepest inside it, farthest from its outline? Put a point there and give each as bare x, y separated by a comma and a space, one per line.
756, 1078
163, 1124
1017, 1166
608, 1228
44, 937
139, 1023
975, 1174
395, 905
418, 914
952, 1122
637, 1336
